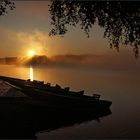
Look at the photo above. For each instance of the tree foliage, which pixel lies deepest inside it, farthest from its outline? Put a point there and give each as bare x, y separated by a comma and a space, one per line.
120, 19
5, 5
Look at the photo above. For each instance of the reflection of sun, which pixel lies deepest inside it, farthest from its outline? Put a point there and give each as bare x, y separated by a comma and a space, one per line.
31, 53
31, 73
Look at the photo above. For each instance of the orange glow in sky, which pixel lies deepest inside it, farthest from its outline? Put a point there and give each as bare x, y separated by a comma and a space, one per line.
31, 53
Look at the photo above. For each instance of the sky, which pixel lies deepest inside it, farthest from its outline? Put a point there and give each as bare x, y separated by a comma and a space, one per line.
27, 28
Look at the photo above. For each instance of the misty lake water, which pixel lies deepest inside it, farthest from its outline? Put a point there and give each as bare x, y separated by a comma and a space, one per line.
122, 87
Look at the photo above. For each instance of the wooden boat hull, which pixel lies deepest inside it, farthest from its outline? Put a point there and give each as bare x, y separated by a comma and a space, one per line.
46, 99
61, 101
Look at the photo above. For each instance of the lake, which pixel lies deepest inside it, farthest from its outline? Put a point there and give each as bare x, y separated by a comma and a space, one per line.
122, 87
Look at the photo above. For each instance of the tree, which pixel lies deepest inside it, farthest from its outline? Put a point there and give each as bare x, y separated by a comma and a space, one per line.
120, 19
5, 5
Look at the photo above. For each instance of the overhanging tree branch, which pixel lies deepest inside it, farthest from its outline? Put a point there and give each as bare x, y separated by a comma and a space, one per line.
120, 19
6, 5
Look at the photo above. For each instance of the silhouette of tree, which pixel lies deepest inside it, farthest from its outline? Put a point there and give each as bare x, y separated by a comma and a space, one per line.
120, 19
5, 5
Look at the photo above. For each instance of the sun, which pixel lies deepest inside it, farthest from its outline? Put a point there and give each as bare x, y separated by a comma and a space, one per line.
31, 53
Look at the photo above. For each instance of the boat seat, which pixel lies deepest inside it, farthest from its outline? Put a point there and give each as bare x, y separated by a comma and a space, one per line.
57, 86
96, 96
48, 84
66, 88
81, 92
28, 80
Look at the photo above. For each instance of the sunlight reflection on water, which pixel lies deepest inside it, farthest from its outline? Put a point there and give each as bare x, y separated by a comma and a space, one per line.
31, 74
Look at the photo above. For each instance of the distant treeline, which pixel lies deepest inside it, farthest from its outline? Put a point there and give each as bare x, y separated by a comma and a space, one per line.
58, 60
84, 60
36, 60
8, 60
